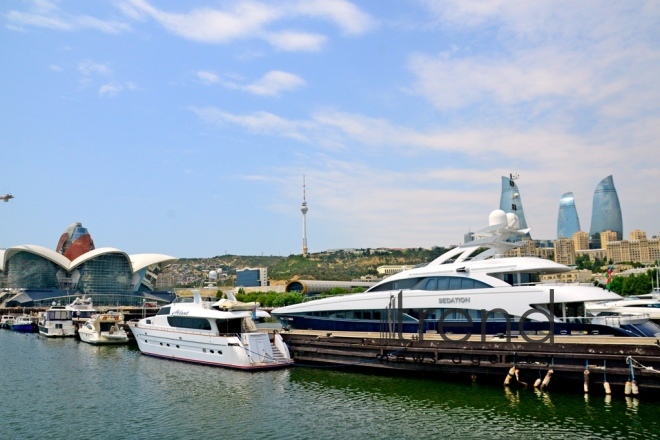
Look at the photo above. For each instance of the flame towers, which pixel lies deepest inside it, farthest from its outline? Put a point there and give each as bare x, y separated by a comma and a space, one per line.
568, 222
510, 200
605, 213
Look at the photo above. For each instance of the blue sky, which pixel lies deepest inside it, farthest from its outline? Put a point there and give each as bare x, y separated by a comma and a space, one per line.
185, 128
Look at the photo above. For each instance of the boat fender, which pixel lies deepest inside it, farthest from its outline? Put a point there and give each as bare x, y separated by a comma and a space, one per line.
546, 379
628, 388
586, 381
606, 384
635, 389
524, 384
537, 382
510, 374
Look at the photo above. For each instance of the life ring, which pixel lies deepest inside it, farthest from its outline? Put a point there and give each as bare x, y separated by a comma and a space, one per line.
105, 318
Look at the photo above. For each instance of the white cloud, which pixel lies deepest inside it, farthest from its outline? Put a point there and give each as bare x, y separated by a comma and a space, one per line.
253, 19
207, 77
275, 82
291, 41
110, 89
89, 67
46, 14
345, 14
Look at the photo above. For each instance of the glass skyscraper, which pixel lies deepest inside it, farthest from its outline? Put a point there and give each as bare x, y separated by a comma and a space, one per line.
568, 222
510, 200
605, 213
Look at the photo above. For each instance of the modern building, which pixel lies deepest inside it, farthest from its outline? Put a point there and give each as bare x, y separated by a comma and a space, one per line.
568, 222
580, 240
252, 277
564, 251
510, 201
605, 213
606, 237
32, 275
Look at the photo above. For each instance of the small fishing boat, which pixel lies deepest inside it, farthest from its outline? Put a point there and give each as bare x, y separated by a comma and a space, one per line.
104, 328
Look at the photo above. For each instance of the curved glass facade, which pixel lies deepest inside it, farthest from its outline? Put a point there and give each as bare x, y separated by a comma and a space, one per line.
109, 273
29, 270
568, 222
510, 200
605, 213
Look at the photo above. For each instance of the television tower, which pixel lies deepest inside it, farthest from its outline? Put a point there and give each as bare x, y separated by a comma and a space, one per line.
303, 209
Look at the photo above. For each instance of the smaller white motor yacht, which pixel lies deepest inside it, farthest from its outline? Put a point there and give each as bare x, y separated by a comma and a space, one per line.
632, 305
104, 328
57, 322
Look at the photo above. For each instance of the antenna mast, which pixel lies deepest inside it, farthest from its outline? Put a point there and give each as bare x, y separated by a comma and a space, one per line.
304, 210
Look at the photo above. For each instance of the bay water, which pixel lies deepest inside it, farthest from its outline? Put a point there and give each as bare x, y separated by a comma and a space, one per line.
66, 389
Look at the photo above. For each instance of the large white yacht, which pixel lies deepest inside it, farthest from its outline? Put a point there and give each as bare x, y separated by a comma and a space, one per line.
220, 333
470, 289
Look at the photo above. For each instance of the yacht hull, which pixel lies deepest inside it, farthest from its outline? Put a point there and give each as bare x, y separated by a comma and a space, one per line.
207, 348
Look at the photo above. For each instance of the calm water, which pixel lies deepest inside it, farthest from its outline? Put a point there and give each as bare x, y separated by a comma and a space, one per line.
57, 389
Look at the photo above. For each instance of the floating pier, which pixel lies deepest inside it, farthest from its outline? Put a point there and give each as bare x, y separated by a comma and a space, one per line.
593, 364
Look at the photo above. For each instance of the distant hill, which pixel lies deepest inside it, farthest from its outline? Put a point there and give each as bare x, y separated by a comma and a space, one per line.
339, 265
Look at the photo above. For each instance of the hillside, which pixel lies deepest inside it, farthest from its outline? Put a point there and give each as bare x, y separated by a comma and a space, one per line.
332, 266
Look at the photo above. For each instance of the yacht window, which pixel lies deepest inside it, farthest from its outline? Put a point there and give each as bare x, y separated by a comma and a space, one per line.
443, 283
164, 311
229, 325
404, 284
358, 314
188, 322
431, 284
454, 283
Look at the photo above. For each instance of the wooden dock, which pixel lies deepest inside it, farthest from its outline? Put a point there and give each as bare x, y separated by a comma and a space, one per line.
615, 360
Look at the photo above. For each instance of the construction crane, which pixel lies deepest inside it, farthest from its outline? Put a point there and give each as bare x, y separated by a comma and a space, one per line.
6, 197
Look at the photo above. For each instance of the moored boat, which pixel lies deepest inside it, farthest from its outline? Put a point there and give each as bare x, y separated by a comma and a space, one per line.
197, 330
104, 328
57, 321
631, 305
23, 323
470, 289
6, 321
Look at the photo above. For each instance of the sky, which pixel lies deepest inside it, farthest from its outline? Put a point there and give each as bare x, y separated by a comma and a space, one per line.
185, 128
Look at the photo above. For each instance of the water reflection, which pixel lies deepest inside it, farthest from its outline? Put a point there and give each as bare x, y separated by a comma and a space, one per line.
79, 390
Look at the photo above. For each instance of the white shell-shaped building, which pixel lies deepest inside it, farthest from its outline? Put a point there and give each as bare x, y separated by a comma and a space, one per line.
33, 275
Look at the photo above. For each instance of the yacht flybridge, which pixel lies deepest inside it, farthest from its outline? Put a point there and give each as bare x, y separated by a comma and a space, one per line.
471, 289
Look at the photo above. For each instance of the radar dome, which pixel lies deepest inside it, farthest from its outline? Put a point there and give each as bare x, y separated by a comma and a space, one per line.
512, 221
497, 217
213, 275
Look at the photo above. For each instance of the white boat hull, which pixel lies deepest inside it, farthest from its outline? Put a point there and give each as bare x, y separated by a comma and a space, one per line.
251, 351
104, 338
57, 330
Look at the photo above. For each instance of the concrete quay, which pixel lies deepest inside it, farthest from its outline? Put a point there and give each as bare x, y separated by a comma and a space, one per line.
574, 362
